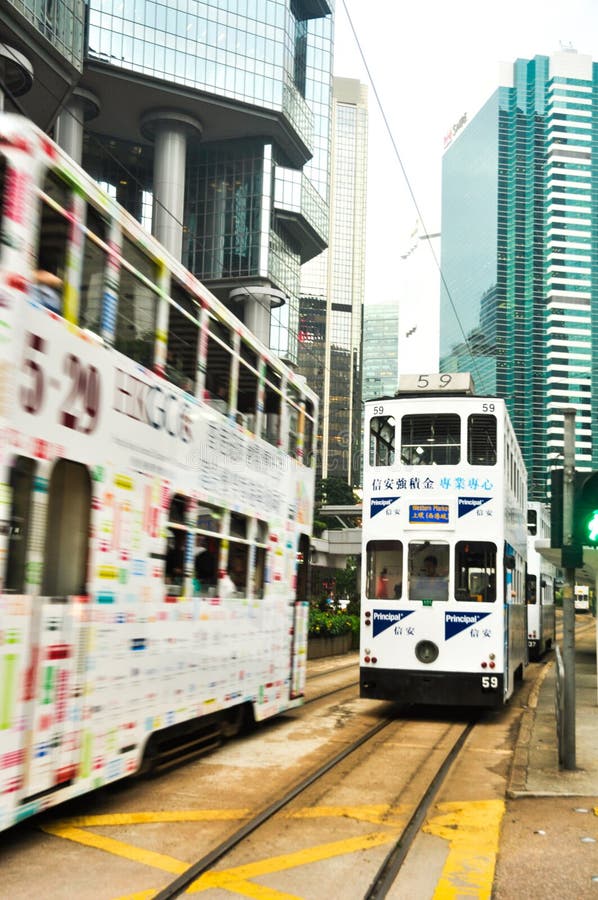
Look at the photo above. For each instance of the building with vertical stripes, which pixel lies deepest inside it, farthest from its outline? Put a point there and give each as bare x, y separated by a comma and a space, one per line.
332, 292
519, 300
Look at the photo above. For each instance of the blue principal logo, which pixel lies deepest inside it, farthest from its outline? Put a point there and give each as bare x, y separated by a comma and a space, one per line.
384, 618
455, 623
379, 504
468, 504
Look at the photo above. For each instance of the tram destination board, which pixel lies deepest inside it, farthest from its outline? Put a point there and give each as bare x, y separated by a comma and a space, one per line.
428, 512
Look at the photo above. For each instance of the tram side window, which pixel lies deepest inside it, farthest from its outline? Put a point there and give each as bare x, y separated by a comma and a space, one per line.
21, 489
384, 572
94, 266
54, 228
4, 189
531, 589
182, 342
137, 306
293, 419
218, 365
382, 440
67, 530
481, 440
431, 439
308, 434
428, 566
259, 568
272, 406
174, 570
206, 560
248, 386
475, 571
532, 521
302, 592
238, 552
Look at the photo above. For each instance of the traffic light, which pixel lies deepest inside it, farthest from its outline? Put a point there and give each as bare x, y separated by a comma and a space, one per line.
556, 508
585, 509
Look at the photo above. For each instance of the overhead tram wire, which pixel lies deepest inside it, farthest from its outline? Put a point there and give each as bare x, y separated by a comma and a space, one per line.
106, 150
408, 183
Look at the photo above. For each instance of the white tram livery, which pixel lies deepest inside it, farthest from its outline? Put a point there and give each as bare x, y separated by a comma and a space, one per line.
156, 496
540, 581
444, 547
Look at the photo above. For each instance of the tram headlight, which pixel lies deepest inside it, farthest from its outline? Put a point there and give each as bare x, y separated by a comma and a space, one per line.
426, 651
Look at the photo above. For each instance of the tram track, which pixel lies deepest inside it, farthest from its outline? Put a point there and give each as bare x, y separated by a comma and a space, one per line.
390, 865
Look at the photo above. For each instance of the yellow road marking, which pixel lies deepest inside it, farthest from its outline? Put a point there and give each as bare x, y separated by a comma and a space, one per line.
472, 830
140, 818
229, 877
118, 848
377, 814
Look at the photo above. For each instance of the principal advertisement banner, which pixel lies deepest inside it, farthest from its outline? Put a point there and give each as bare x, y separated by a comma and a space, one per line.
379, 504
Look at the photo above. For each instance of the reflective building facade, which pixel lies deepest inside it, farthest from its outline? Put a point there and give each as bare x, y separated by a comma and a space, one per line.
380, 371
210, 122
519, 303
332, 292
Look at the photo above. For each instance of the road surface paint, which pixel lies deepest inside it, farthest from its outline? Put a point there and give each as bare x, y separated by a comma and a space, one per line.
473, 831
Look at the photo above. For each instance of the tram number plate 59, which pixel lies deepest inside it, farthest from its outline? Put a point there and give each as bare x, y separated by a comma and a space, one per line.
489, 683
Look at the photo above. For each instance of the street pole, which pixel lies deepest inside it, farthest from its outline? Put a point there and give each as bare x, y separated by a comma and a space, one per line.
569, 590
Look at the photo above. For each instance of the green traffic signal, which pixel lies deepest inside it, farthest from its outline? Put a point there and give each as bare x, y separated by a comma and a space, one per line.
592, 527
585, 509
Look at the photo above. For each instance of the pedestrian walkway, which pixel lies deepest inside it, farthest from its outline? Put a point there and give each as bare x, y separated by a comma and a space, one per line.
549, 840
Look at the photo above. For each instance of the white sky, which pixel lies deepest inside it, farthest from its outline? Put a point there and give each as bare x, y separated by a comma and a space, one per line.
430, 62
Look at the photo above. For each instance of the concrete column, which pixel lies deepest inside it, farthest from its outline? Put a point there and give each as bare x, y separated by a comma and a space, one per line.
257, 301
169, 130
81, 107
16, 74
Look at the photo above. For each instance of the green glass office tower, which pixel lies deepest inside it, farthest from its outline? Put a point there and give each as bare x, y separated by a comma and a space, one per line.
519, 243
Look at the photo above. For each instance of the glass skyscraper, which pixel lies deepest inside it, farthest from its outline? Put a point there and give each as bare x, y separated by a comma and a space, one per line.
380, 369
332, 293
519, 302
210, 122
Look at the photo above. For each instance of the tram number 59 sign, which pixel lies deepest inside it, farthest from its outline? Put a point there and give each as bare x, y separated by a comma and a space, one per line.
81, 401
489, 683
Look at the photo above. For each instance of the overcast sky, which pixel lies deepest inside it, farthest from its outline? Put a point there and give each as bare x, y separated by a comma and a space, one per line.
430, 62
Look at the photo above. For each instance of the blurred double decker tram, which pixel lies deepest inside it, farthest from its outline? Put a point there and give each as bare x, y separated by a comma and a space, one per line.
157, 495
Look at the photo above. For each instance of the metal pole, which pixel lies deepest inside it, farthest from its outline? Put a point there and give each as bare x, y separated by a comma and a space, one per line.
569, 590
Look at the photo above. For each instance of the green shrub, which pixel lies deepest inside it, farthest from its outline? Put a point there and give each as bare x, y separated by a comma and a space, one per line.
331, 623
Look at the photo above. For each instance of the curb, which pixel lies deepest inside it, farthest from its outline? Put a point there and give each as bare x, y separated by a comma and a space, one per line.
520, 764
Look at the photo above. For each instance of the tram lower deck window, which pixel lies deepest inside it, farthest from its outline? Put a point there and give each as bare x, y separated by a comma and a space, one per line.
475, 571
384, 579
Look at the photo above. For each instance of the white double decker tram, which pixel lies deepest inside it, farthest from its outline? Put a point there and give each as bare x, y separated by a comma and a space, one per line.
444, 547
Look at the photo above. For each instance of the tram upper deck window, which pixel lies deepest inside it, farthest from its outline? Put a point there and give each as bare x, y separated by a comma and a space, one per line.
137, 306
532, 521
182, 341
293, 419
272, 406
382, 440
384, 572
94, 266
481, 440
2, 189
427, 567
54, 228
248, 386
430, 439
475, 571
218, 365
308, 434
